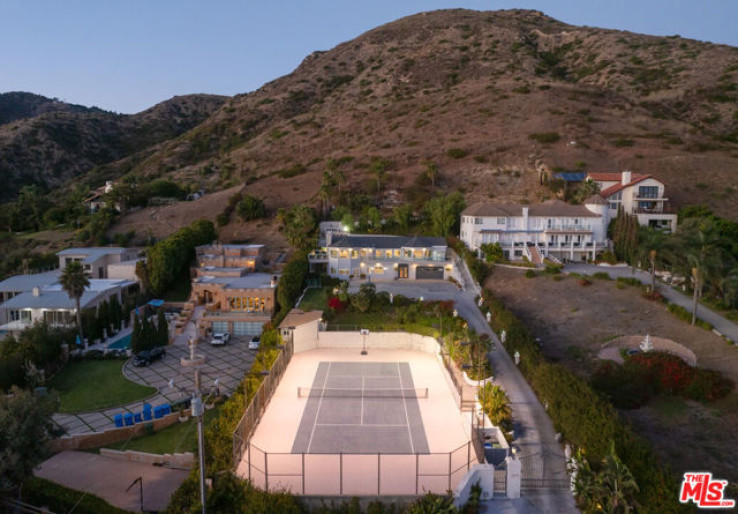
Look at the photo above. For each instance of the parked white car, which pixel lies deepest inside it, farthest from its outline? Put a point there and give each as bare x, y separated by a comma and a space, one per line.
220, 339
255, 343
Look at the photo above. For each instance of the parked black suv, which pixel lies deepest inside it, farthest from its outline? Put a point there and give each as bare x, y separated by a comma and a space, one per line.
146, 357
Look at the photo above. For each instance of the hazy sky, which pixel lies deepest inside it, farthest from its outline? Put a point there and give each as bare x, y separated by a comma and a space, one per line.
127, 55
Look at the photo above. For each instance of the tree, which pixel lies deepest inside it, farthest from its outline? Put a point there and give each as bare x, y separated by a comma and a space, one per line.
625, 236
137, 339
651, 242
496, 405
403, 216
444, 212
492, 252
701, 255
610, 490
162, 328
251, 208
74, 282
292, 280
362, 301
378, 167
25, 428
432, 172
299, 225
584, 190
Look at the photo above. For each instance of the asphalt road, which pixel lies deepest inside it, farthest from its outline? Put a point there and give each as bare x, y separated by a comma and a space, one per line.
534, 432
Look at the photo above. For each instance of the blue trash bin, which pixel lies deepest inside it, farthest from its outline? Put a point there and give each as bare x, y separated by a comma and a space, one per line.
137, 417
128, 419
118, 420
147, 415
167, 408
147, 407
158, 412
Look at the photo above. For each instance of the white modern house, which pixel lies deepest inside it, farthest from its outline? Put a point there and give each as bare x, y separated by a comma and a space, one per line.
31, 298
637, 194
553, 229
97, 260
383, 257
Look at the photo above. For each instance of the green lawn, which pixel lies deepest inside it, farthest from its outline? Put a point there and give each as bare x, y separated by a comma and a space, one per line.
315, 299
96, 384
180, 437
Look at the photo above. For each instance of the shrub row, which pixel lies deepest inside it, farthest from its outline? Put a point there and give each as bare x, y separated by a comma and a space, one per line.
584, 417
684, 315
644, 375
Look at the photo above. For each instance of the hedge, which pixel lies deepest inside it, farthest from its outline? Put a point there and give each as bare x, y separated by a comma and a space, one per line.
41, 492
684, 315
584, 417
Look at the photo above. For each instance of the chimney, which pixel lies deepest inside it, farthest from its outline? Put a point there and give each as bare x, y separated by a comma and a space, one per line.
36, 291
274, 281
625, 178
525, 218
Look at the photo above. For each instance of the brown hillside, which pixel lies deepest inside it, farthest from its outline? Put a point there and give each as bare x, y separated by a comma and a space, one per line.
467, 90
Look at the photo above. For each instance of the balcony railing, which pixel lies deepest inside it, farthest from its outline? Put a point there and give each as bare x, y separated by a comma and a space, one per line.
568, 228
658, 208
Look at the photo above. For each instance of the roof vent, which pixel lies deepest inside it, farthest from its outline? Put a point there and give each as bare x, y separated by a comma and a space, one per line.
37, 291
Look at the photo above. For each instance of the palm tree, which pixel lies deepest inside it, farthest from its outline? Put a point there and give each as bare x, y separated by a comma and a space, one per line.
496, 405
701, 255
618, 484
74, 281
651, 242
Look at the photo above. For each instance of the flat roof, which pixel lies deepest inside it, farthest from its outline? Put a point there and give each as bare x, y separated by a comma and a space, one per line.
54, 297
20, 283
386, 242
250, 281
92, 253
297, 317
547, 208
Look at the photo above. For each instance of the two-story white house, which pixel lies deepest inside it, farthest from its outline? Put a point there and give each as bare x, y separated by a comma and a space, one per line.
638, 194
384, 257
551, 229
103, 261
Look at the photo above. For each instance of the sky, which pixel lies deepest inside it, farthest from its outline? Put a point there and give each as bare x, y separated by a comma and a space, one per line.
127, 55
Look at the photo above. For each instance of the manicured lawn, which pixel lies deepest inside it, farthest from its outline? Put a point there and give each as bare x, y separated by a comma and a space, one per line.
316, 298
180, 437
96, 384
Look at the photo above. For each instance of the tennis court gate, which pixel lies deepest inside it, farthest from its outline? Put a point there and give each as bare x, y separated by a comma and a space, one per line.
543, 470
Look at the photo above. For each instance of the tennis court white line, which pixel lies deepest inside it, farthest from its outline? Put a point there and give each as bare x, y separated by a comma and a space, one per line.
362, 399
407, 417
353, 425
320, 403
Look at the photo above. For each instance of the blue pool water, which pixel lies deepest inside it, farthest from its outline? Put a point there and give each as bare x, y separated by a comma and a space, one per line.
121, 344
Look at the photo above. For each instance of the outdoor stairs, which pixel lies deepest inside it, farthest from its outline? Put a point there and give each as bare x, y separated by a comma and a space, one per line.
535, 255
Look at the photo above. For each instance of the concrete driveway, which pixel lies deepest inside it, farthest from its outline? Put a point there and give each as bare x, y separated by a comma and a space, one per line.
535, 438
108, 478
227, 363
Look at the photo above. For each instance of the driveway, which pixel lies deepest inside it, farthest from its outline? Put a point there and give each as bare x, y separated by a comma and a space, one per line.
726, 327
108, 478
228, 363
535, 438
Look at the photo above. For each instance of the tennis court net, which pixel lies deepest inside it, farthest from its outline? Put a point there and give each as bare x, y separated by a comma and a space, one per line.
342, 392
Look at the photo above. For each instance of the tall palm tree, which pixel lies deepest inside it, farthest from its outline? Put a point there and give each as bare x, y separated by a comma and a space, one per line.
701, 255
496, 405
618, 483
651, 243
74, 281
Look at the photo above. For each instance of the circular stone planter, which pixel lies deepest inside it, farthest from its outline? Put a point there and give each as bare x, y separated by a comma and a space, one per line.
611, 349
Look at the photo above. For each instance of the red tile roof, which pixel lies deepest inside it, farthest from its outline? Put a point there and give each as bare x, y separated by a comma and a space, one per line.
617, 187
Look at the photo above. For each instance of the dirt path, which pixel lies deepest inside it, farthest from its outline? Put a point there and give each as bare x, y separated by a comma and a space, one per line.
573, 321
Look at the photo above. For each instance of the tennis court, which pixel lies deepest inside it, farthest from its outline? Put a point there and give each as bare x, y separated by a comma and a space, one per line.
342, 423
362, 407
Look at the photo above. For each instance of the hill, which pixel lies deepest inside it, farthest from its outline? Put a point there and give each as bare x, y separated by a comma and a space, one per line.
493, 99
47, 142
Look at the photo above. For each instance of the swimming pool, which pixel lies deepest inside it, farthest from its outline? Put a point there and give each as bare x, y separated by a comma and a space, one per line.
121, 344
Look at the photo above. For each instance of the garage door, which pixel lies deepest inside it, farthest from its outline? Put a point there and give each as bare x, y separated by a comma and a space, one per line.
426, 272
220, 327
244, 328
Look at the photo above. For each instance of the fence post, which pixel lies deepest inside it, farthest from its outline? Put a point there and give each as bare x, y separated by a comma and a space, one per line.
249, 450
449, 470
340, 473
468, 455
303, 473
379, 474
266, 472
417, 472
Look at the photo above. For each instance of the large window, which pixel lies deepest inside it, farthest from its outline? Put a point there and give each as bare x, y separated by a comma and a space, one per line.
247, 303
58, 317
648, 192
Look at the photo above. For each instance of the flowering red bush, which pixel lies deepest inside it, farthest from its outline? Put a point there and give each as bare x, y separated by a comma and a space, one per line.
336, 305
